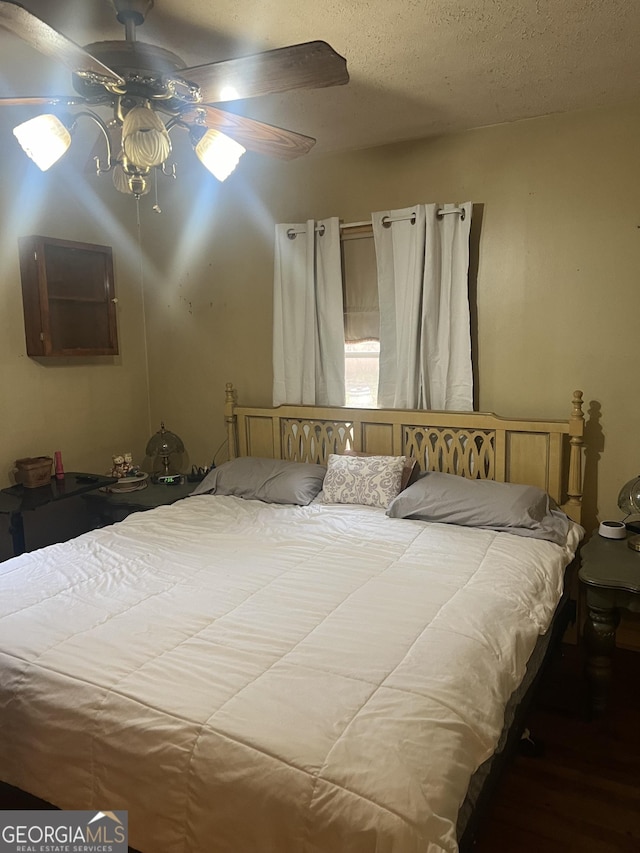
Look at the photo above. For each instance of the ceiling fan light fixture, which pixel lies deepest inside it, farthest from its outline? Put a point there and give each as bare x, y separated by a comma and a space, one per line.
145, 139
129, 183
44, 139
219, 153
151, 91
138, 185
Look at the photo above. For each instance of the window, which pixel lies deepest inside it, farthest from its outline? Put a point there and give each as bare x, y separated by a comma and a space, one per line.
361, 320
361, 363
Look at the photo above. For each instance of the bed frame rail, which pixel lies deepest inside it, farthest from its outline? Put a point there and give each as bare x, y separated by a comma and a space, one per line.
547, 454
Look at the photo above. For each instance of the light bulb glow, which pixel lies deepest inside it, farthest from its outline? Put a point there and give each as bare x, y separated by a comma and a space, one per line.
219, 153
43, 138
229, 93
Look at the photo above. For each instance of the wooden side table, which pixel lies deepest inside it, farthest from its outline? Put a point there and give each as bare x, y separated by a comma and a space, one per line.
610, 572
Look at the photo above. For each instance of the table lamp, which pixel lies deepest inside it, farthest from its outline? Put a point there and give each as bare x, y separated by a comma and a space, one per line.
165, 450
629, 497
629, 503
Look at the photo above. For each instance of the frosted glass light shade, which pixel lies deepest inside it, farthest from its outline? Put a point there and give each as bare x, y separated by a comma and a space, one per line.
145, 139
127, 183
219, 153
165, 449
43, 138
120, 179
629, 497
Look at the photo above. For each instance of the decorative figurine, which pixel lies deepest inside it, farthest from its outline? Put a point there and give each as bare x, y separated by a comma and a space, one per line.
123, 466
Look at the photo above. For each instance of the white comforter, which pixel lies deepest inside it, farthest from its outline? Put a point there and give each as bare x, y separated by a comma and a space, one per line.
250, 678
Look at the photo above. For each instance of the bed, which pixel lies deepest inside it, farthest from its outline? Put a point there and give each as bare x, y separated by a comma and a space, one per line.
250, 671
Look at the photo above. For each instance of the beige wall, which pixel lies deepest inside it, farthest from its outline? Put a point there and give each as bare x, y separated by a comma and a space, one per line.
557, 253
557, 256
86, 408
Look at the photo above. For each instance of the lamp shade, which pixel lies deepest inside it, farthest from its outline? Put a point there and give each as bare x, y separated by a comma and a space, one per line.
219, 153
165, 449
43, 138
145, 139
629, 497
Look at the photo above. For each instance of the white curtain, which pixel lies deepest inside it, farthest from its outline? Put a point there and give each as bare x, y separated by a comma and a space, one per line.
422, 256
308, 319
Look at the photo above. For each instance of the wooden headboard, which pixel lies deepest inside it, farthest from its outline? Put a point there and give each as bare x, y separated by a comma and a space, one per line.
478, 445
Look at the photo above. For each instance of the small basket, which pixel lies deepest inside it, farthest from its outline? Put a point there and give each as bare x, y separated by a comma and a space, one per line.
34, 471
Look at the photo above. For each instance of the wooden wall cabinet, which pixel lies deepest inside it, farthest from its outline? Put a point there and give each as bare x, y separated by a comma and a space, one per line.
68, 298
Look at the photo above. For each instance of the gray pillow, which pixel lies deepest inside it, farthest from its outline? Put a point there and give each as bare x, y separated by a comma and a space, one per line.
508, 507
272, 480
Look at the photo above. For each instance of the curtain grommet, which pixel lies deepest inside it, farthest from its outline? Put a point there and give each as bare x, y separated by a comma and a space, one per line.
440, 214
387, 221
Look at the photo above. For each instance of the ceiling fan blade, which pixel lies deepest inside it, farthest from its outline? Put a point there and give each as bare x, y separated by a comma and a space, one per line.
17, 20
314, 64
40, 100
254, 135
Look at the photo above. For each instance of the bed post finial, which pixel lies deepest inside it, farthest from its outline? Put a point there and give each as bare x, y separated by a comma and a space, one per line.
576, 433
230, 419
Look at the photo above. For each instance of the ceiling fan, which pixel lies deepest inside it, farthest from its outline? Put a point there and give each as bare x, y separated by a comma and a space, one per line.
149, 92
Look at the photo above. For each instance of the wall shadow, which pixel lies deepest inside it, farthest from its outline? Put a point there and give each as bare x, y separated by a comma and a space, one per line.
474, 265
594, 446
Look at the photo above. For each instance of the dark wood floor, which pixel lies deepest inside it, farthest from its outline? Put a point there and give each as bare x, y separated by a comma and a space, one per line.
583, 793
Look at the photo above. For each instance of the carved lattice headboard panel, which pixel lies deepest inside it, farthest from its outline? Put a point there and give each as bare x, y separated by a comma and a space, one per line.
305, 440
469, 453
477, 445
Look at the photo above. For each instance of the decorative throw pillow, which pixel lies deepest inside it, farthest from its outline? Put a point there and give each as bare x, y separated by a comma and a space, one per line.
410, 466
367, 480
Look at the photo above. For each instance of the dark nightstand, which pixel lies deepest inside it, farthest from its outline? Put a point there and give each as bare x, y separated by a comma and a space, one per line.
16, 500
610, 572
109, 507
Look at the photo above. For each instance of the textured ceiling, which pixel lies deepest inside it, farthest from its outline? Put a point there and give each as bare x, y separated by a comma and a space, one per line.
418, 67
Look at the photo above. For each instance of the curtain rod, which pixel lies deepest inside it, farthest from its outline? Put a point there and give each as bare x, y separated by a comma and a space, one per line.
366, 225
